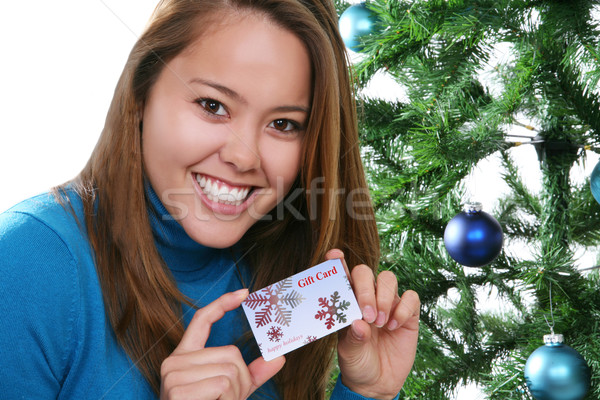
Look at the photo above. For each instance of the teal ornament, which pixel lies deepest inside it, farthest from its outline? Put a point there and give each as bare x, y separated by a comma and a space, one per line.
355, 23
473, 238
595, 182
556, 371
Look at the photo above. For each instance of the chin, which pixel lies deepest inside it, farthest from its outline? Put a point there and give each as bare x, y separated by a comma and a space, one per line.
216, 243
216, 238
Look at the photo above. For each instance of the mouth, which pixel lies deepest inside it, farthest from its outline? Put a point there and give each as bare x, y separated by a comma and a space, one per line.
222, 193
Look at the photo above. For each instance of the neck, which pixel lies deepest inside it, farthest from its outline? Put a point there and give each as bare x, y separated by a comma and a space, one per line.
178, 249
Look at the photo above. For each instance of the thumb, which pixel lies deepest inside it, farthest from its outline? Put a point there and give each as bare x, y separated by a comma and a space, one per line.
354, 338
197, 332
261, 371
337, 253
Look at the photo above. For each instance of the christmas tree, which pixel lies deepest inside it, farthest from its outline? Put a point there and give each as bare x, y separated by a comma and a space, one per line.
472, 73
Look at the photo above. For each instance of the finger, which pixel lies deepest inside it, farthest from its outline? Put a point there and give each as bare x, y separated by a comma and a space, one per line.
207, 356
387, 292
200, 373
334, 253
217, 387
337, 253
261, 371
197, 332
353, 339
364, 289
188, 367
406, 313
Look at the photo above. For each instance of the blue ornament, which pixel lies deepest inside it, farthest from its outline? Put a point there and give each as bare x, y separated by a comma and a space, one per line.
556, 371
473, 238
595, 182
357, 21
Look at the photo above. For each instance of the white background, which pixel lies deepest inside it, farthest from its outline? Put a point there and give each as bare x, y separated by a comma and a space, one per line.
60, 63
59, 66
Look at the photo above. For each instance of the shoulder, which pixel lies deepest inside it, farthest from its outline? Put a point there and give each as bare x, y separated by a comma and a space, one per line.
39, 239
44, 219
40, 259
40, 243
48, 208
32, 230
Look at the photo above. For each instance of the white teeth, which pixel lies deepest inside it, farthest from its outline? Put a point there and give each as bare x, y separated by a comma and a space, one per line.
243, 193
223, 194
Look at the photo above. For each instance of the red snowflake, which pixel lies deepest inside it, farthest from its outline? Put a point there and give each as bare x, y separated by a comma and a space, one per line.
275, 333
273, 301
310, 339
332, 309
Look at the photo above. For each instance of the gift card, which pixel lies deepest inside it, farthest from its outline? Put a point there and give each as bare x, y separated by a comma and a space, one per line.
301, 309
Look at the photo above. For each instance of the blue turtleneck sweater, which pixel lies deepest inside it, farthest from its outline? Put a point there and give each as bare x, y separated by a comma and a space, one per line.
55, 339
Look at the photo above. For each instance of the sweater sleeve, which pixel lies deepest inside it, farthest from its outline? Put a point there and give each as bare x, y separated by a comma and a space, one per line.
39, 303
342, 392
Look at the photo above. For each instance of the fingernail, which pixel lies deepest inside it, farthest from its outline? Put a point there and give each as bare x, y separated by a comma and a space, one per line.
340, 254
369, 314
393, 324
380, 319
241, 292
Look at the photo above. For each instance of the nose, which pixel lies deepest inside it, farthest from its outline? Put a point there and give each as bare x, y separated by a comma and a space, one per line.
241, 150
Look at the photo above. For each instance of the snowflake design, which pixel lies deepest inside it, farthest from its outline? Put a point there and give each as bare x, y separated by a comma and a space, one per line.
273, 302
348, 282
332, 309
275, 333
310, 339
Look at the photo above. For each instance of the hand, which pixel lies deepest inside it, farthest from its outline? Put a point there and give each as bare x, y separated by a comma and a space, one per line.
195, 371
375, 354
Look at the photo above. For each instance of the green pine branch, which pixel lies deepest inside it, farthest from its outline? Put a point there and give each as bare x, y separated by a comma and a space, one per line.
473, 71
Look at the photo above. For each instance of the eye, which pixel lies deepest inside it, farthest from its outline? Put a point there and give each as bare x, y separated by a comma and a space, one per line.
285, 125
212, 106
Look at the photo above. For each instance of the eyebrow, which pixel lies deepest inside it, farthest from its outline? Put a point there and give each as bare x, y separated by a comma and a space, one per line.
236, 96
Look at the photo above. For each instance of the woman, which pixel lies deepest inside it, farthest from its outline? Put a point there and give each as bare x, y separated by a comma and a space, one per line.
229, 160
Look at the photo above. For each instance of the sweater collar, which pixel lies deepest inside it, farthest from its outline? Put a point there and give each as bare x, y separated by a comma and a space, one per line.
180, 252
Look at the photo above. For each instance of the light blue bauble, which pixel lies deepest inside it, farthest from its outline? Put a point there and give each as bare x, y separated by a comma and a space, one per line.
556, 371
357, 21
595, 182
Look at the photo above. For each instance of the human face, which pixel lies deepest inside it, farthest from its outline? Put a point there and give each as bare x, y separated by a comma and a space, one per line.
228, 113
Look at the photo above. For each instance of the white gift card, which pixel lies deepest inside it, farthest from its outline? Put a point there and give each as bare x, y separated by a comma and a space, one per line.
301, 309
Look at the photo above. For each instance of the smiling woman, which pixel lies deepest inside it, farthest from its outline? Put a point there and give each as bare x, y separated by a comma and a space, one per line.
126, 281
240, 97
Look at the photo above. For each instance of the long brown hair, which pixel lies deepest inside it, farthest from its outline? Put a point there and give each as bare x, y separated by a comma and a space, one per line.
141, 297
